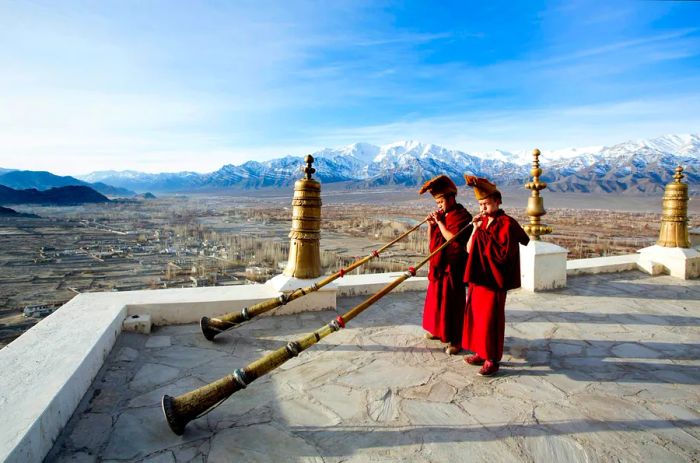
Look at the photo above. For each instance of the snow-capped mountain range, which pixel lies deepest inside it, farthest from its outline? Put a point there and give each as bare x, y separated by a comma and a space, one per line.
632, 167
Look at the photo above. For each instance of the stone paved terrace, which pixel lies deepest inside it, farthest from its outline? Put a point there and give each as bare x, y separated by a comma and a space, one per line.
605, 370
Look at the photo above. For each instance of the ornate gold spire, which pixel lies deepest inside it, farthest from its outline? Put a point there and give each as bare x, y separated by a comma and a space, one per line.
674, 219
535, 204
304, 250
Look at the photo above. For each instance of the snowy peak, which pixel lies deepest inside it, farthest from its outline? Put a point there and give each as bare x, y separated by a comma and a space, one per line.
672, 143
683, 145
103, 174
363, 152
394, 151
521, 157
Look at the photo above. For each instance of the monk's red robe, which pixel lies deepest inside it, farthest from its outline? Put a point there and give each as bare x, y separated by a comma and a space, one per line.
493, 267
443, 313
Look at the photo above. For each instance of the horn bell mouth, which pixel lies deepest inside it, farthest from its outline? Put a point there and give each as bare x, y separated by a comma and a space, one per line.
175, 423
208, 330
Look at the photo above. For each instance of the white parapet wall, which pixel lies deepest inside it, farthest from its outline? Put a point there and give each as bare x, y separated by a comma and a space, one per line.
694, 237
542, 266
364, 285
320, 299
609, 264
46, 371
188, 305
678, 262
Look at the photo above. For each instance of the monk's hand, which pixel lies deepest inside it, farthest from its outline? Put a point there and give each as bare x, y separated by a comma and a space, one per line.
476, 221
430, 219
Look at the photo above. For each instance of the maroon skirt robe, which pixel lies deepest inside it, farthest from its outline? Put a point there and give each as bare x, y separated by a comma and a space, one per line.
443, 312
493, 267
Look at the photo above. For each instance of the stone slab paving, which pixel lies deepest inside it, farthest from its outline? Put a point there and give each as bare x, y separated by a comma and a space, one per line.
607, 369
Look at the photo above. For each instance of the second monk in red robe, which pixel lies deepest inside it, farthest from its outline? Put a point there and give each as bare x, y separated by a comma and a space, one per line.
443, 313
493, 267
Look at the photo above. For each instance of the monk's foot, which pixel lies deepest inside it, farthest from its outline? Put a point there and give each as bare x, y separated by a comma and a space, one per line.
489, 369
452, 350
473, 359
430, 336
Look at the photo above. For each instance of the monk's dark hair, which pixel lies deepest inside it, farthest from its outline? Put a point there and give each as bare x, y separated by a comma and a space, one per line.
496, 196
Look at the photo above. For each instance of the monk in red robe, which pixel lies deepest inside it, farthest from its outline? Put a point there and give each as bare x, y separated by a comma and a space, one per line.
443, 313
493, 267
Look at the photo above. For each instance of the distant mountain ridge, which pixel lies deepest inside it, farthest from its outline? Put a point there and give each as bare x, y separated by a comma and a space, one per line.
633, 167
143, 182
7, 212
60, 196
42, 180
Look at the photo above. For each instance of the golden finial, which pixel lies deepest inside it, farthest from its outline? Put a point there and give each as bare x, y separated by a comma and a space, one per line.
535, 204
679, 174
308, 170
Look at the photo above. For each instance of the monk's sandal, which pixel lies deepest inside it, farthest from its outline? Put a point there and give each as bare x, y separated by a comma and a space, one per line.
489, 369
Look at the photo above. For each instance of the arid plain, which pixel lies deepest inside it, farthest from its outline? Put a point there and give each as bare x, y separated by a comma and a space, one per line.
239, 237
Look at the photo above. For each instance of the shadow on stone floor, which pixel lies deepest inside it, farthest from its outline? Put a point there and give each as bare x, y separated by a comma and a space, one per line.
561, 316
617, 372
565, 347
616, 361
636, 291
628, 285
338, 441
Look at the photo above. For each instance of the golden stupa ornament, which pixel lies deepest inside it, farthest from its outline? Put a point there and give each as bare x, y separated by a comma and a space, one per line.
674, 220
535, 204
304, 246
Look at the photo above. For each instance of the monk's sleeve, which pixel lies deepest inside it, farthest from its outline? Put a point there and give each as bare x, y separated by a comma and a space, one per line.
435, 270
454, 224
494, 242
519, 234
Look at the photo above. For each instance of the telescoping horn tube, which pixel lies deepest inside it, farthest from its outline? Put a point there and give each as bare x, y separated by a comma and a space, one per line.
184, 408
213, 326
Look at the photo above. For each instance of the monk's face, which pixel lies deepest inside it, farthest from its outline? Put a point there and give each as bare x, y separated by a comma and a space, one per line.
444, 203
488, 206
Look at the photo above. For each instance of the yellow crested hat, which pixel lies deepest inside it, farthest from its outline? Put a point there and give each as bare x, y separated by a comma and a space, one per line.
482, 187
439, 186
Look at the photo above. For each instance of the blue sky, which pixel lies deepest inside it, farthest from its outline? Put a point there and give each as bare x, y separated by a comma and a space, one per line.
175, 85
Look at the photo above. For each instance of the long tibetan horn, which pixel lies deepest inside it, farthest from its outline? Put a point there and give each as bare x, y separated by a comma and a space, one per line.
184, 408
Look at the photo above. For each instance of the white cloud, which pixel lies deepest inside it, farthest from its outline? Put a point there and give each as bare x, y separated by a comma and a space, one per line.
548, 128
